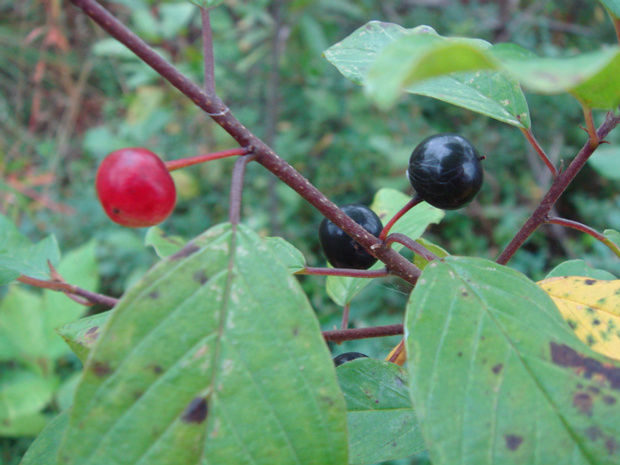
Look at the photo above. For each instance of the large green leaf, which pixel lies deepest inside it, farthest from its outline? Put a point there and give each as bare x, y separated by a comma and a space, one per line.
216, 357
389, 59
44, 450
18, 254
613, 7
498, 377
386, 204
382, 422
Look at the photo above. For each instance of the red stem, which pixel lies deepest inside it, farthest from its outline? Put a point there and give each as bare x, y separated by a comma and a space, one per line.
341, 335
585, 229
70, 289
412, 203
173, 165
541, 153
411, 245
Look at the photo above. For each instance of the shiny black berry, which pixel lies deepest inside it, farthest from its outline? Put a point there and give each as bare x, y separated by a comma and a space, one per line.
347, 357
340, 250
445, 171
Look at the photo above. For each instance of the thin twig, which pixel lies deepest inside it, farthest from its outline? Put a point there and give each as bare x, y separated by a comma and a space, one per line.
412, 245
541, 153
236, 188
341, 335
344, 272
585, 229
173, 165
559, 185
207, 52
412, 203
70, 289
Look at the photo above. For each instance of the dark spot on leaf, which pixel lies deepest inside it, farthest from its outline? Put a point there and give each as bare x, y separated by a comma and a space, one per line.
399, 381
196, 411
377, 401
589, 282
154, 295
566, 356
186, 251
464, 294
460, 354
596, 322
482, 338
138, 394
295, 331
583, 402
200, 277
593, 433
611, 445
497, 368
157, 369
513, 441
609, 400
101, 368
92, 330
572, 324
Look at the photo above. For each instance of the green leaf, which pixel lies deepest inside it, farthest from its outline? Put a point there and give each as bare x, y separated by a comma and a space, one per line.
382, 422
44, 450
498, 377
23, 395
579, 268
17, 253
78, 267
386, 204
591, 77
389, 59
7, 275
606, 162
613, 236
82, 335
164, 245
434, 248
214, 356
287, 253
613, 7
22, 326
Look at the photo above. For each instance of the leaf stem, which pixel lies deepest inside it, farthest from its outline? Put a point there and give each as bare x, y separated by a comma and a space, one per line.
587, 114
344, 272
585, 229
412, 245
541, 153
173, 165
558, 186
412, 203
345, 316
341, 335
70, 289
236, 188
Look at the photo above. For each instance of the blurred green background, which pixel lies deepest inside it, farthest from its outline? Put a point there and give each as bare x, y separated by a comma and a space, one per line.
69, 95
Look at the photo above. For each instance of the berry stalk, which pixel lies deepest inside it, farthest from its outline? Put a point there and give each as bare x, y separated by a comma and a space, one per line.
173, 165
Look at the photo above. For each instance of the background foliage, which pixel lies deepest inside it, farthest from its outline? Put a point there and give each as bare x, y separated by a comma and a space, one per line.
69, 95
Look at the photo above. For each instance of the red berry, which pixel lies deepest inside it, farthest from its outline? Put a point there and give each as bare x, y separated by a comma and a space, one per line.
135, 188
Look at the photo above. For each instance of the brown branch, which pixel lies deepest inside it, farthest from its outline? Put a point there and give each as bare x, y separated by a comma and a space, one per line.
341, 335
559, 185
411, 245
220, 113
348, 272
70, 289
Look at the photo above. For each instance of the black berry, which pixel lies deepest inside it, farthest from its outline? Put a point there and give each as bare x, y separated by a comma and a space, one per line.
339, 248
347, 357
445, 171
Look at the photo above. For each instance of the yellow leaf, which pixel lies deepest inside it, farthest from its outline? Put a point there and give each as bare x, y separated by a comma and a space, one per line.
592, 309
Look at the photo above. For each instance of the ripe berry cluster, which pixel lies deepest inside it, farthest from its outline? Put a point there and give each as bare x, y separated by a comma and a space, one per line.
444, 170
